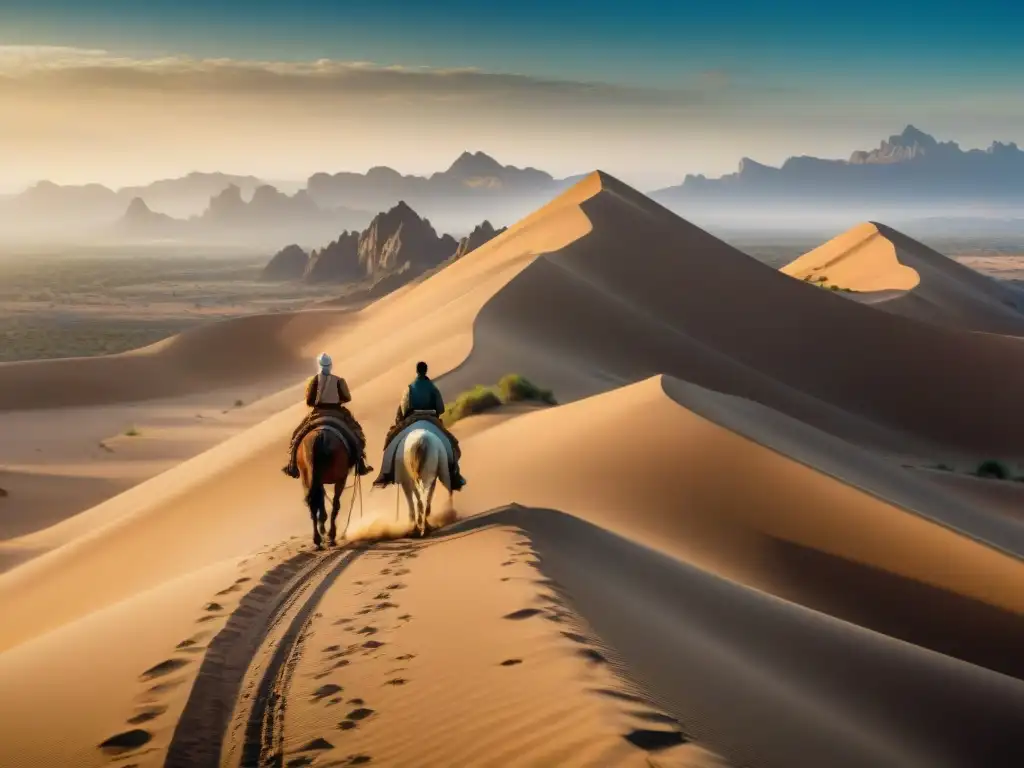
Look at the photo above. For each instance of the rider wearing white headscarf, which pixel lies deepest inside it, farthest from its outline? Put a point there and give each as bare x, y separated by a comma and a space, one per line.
326, 392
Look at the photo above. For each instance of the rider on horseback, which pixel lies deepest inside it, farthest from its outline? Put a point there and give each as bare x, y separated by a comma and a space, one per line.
422, 396
327, 394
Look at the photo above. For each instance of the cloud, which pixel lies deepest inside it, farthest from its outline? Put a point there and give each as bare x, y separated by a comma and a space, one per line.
43, 69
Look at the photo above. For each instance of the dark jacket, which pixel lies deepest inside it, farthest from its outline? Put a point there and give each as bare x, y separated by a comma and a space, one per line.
422, 395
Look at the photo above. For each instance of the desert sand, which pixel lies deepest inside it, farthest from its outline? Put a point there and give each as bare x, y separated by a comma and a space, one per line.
884, 267
724, 547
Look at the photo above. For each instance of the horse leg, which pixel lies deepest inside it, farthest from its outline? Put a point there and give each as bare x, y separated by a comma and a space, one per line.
410, 502
427, 509
314, 513
332, 534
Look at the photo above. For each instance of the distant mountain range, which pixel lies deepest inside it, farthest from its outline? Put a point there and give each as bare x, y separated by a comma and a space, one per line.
911, 170
269, 216
474, 187
909, 177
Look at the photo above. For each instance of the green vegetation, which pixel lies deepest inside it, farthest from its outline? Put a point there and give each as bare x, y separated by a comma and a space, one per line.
132, 432
512, 388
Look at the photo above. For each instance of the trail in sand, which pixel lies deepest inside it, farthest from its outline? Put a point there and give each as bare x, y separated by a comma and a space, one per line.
712, 553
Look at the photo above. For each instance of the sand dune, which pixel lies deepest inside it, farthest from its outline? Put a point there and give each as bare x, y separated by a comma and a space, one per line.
898, 274
711, 554
229, 352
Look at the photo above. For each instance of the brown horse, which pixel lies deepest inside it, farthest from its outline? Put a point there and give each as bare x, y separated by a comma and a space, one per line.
323, 459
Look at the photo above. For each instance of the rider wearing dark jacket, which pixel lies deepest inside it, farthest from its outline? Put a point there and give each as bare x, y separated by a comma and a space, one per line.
424, 396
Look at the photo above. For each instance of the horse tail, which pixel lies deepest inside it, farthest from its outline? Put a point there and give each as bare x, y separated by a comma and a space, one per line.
418, 462
318, 454
418, 459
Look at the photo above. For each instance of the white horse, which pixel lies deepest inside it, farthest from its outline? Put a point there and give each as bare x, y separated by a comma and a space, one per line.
420, 461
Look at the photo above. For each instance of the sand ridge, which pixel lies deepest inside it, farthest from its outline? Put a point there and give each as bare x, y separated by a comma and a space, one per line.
708, 555
894, 272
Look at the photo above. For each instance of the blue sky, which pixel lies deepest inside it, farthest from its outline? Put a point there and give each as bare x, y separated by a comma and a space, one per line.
696, 86
637, 41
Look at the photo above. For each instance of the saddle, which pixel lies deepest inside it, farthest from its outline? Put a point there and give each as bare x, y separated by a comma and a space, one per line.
411, 419
342, 422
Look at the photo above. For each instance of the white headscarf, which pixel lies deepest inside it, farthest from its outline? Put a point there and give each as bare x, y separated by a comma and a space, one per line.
325, 363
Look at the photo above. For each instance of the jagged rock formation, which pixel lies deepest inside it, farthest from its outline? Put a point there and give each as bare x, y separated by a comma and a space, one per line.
482, 233
396, 239
289, 263
337, 262
400, 236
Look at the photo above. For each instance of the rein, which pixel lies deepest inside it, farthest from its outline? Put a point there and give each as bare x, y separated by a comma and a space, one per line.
357, 487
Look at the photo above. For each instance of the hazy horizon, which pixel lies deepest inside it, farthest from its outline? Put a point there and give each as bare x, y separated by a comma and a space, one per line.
124, 95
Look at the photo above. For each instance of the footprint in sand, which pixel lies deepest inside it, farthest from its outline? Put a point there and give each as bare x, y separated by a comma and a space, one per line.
341, 622
402, 572
524, 613
163, 668
192, 641
396, 585
228, 590
332, 648
396, 681
324, 691
405, 617
511, 662
384, 606
317, 745
155, 693
652, 741
367, 631
360, 714
591, 655
126, 742
405, 657
212, 607
146, 715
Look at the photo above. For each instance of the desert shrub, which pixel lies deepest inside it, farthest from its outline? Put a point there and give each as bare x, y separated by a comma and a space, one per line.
132, 432
3, 493
239, 403
512, 388
515, 388
476, 400
994, 469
